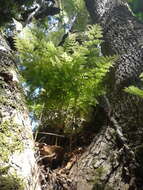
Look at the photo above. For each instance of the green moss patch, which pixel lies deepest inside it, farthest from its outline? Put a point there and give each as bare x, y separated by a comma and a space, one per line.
11, 182
10, 140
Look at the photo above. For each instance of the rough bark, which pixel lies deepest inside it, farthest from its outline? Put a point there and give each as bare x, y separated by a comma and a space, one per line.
18, 169
114, 159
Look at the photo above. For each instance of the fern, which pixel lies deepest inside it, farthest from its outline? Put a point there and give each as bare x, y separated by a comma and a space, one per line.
135, 91
70, 77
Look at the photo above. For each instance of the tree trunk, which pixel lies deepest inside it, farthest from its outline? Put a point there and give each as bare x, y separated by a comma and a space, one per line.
114, 159
18, 169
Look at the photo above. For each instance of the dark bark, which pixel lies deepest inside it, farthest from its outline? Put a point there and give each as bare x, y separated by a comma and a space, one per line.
114, 160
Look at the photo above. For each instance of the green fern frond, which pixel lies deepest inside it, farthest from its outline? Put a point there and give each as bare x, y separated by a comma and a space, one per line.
71, 75
135, 91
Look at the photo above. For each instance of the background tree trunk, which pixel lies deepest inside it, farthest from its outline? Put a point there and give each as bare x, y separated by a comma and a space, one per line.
114, 159
18, 169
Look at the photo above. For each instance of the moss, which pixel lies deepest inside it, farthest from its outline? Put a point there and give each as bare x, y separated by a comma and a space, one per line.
97, 182
10, 140
4, 170
101, 187
11, 182
3, 100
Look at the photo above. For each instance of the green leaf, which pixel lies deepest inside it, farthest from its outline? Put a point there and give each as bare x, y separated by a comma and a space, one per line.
135, 91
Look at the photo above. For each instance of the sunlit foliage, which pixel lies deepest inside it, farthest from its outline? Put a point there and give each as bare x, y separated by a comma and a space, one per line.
135, 90
64, 77
75, 9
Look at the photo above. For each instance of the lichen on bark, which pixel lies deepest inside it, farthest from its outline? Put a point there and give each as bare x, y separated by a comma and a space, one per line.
18, 168
10, 182
10, 140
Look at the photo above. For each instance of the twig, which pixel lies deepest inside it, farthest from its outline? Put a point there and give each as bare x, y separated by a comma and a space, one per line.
47, 156
52, 134
39, 120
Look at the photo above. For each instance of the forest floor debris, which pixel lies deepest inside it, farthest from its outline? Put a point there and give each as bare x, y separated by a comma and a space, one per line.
55, 167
